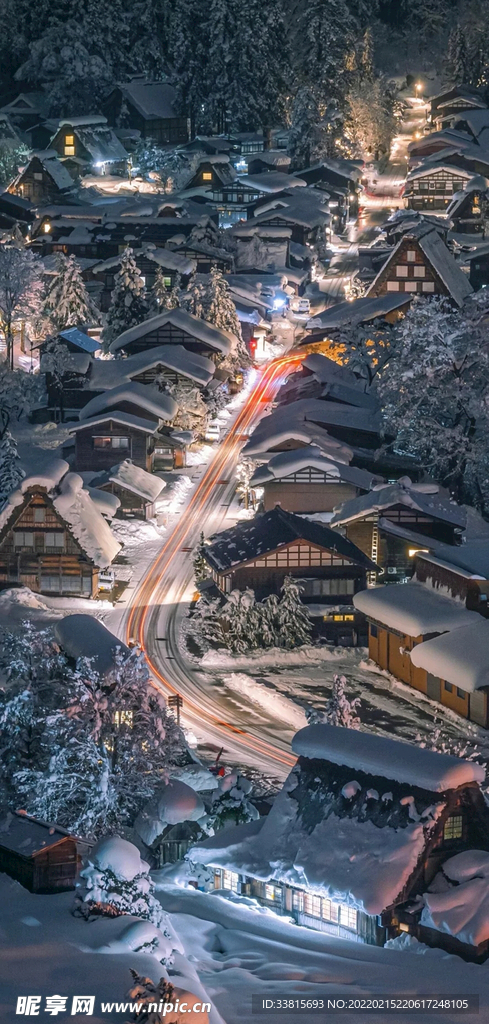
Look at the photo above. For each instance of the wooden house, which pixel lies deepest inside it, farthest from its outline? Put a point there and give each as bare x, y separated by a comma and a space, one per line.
176, 327
53, 538
87, 145
212, 173
393, 522
474, 123
124, 421
355, 839
468, 211
163, 366
148, 259
27, 109
431, 186
67, 383
370, 309
269, 160
44, 179
421, 264
403, 617
259, 554
150, 108
436, 142
305, 211
477, 261
455, 99
306, 481
136, 489
43, 857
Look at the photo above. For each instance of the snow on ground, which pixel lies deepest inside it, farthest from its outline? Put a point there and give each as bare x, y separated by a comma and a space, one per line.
238, 953
46, 951
263, 697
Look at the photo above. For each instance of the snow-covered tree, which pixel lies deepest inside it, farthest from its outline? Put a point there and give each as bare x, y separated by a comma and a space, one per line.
366, 350
338, 710
244, 473
11, 472
162, 297
19, 391
193, 298
231, 803
192, 413
371, 122
254, 255
101, 744
148, 994
64, 61
435, 396
128, 305
238, 618
66, 302
20, 290
293, 621
116, 881
12, 156
312, 131
200, 565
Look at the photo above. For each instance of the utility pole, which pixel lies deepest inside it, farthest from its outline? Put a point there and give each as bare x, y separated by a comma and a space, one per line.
175, 702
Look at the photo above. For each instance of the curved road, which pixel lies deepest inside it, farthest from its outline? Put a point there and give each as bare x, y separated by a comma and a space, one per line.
157, 603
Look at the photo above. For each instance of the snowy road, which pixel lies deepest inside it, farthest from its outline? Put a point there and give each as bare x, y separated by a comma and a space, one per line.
153, 616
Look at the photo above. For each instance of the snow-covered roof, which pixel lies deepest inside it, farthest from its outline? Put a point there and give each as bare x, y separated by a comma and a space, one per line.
443, 263
109, 373
143, 396
137, 480
28, 836
126, 419
54, 167
153, 100
390, 759
472, 556
323, 413
270, 433
460, 657
326, 369
104, 501
430, 504
428, 168
80, 339
216, 338
457, 901
84, 636
86, 523
271, 181
97, 138
412, 609
162, 256
270, 531
83, 120
477, 120
284, 464
359, 311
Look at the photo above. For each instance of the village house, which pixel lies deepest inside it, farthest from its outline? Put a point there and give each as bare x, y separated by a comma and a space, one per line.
393, 522
26, 109
43, 857
88, 146
468, 210
354, 841
477, 261
447, 141
259, 554
304, 210
149, 259
306, 481
164, 366
321, 377
259, 246
403, 221
86, 233
432, 186
203, 254
150, 108
124, 421
212, 173
474, 123
268, 160
53, 537
403, 617
454, 99
136, 489
67, 377
421, 264
176, 327
44, 179
369, 309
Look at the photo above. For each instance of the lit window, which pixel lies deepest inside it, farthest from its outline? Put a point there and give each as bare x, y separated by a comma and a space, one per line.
411, 286
312, 905
348, 917
453, 828
23, 539
206, 175
54, 540
69, 150
428, 286
298, 900
230, 880
167, 282
272, 892
69, 140
330, 911
37, 175
46, 227
120, 442
111, 442
123, 718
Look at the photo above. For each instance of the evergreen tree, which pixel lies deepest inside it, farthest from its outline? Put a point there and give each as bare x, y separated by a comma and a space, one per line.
128, 305
11, 472
67, 302
190, 55
20, 290
231, 804
311, 132
193, 299
162, 297
293, 622
219, 308
201, 569
117, 881
456, 60
339, 710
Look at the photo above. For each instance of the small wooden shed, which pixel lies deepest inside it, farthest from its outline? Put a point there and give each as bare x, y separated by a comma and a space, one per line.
44, 858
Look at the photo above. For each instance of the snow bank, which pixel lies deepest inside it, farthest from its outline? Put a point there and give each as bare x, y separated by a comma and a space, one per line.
83, 636
173, 803
377, 755
267, 698
458, 900
117, 855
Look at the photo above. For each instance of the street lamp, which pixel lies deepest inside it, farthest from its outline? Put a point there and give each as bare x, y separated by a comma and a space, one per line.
418, 87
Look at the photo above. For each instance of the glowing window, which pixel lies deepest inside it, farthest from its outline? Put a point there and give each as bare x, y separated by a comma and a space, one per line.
69, 140
453, 828
69, 150
230, 880
206, 176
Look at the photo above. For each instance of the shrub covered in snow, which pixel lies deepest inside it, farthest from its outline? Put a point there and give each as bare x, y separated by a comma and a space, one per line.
117, 881
231, 803
243, 624
339, 710
160, 1002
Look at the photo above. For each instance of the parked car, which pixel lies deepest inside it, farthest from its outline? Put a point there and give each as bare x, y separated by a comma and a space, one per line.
213, 431
300, 305
106, 580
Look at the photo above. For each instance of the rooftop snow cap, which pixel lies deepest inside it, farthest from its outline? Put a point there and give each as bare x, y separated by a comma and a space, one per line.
376, 755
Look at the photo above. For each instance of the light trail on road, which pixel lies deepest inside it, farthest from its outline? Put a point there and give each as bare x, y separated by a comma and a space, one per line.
151, 591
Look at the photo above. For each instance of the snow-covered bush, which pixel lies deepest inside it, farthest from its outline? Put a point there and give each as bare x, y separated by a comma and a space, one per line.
243, 624
11, 472
151, 996
339, 710
116, 881
231, 803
